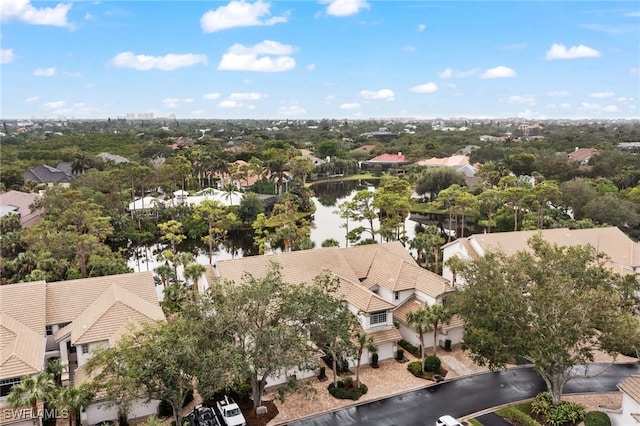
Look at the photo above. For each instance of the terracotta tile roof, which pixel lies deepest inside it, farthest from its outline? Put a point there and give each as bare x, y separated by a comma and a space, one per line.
624, 253
582, 154
25, 302
66, 300
389, 335
456, 322
389, 158
453, 161
107, 316
412, 304
21, 348
631, 386
350, 265
397, 275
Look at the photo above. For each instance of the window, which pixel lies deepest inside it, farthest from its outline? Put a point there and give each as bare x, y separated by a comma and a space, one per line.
49, 330
63, 325
378, 318
6, 385
85, 349
397, 295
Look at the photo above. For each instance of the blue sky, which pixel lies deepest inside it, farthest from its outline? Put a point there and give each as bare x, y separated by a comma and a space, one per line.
306, 59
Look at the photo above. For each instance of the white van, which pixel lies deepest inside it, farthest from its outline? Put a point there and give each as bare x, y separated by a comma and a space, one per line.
447, 421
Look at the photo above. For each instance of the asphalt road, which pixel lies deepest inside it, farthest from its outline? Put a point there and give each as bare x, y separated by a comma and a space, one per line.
464, 396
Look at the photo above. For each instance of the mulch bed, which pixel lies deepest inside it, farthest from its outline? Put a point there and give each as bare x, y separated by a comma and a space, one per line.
254, 419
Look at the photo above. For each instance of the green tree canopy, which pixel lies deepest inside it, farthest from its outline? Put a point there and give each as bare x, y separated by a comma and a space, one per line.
555, 306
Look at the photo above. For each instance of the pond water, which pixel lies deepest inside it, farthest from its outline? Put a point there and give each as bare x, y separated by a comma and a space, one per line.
326, 224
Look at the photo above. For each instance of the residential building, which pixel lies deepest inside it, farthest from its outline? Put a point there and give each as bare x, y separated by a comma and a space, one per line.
386, 161
629, 412
47, 175
20, 203
582, 155
380, 283
623, 253
68, 320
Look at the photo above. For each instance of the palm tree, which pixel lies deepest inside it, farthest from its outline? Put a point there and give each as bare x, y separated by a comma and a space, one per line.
56, 368
31, 390
229, 189
437, 315
74, 399
420, 321
193, 272
363, 341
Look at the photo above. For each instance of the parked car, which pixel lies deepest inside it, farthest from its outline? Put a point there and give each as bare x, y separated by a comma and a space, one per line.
447, 421
203, 416
230, 412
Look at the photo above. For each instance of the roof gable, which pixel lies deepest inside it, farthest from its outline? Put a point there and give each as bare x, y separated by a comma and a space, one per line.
21, 348
389, 158
631, 386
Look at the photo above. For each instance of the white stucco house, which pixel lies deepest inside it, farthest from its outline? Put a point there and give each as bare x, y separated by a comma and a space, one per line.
67, 320
379, 282
629, 413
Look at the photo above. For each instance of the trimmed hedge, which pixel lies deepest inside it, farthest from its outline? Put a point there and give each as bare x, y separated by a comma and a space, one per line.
410, 348
432, 363
516, 415
597, 418
343, 392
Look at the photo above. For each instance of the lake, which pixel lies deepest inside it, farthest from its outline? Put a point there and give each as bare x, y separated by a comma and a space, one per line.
326, 224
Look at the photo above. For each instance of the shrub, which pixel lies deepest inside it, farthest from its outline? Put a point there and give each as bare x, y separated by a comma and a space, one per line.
343, 392
432, 363
596, 418
410, 348
415, 368
518, 416
243, 391
348, 382
542, 404
566, 412
164, 409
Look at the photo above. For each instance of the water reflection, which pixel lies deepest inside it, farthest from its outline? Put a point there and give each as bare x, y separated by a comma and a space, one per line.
327, 224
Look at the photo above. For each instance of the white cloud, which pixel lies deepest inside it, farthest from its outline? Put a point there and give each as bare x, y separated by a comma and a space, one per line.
311, 67
421, 27
558, 93
559, 51
257, 58
602, 95
451, 73
290, 110
634, 71
354, 105
253, 96
329, 98
31, 100
171, 102
45, 72
345, 7
188, 100
167, 62
386, 94
498, 72
7, 56
425, 88
23, 11
517, 99
54, 105
230, 104
211, 96
239, 14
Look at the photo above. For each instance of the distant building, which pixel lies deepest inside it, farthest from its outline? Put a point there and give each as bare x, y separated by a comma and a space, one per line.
631, 147
386, 161
20, 203
47, 175
582, 155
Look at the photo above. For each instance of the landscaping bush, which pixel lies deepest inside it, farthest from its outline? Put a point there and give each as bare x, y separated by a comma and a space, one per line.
341, 391
566, 413
597, 418
415, 368
518, 416
243, 391
432, 363
410, 348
